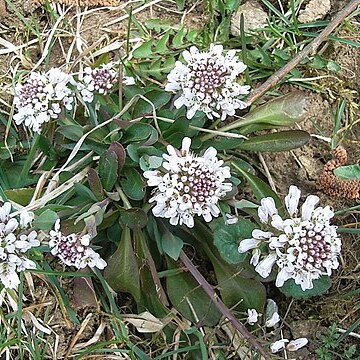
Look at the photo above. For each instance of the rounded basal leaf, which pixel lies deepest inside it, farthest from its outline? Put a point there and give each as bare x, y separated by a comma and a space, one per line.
133, 184
321, 285
279, 141
349, 172
134, 218
138, 132
227, 238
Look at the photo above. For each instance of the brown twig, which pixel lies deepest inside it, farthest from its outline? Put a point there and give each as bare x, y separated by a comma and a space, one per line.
309, 49
221, 306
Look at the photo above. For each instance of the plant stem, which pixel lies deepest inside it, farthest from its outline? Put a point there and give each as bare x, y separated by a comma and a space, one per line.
221, 306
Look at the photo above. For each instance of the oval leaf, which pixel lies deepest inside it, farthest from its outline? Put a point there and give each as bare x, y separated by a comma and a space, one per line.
227, 237
282, 111
134, 218
321, 285
190, 299
108, 166
349, 172
279, 141
133, 184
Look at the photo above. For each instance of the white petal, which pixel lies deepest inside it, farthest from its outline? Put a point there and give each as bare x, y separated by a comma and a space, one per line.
278, 345
186, 143
265, 266
292, 200
261, 235
267, 209
275, 318
309, 206
248, 244
252, 316
296, 344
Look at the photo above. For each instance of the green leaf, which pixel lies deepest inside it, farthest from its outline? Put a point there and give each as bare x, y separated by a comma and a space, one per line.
137, 132
83, 191
171, 244
72, 132
46, 220
259, 187
95, 184
321, 285
145, 50
237, 292
134, 218
282, 111
133, 184
122, 271
108, 166
150, 162
157, 97
227, 238
120, 152
20, 196
349, 172
333, 66
279, 141
190, 299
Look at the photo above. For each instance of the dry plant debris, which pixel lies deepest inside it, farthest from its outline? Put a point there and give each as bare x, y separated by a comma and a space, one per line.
334, 186
81, 2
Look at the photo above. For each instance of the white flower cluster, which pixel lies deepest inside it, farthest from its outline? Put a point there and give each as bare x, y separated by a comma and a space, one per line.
304, 246
208, 82
15, 241
42, 97
99, 81
188, 185
74, 249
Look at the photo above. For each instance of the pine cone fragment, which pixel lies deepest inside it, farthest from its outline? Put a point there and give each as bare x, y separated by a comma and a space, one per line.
334, 186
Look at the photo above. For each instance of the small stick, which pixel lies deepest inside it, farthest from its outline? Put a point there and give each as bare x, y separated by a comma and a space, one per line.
221, 306
309, 49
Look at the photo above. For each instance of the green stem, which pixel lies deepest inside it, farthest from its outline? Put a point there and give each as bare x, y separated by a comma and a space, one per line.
234, 125
123, 197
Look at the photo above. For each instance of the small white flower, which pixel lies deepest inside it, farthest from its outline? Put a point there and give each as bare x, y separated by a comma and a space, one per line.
40, 98
100, 80
275, 318
304, 246
278, 345
208, 82
252, 316
264, 267
297, 344
15, 241
188, 185
74, 249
